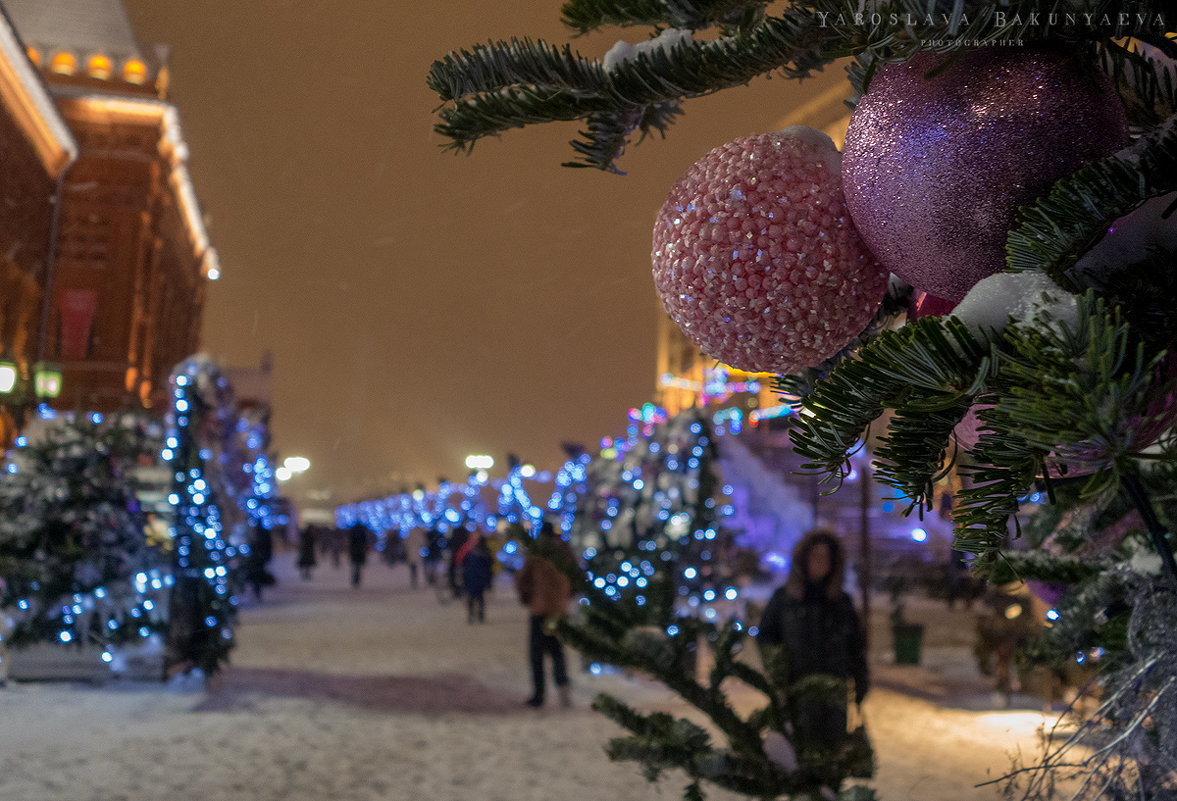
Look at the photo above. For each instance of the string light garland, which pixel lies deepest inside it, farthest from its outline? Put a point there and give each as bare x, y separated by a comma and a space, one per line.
204, 597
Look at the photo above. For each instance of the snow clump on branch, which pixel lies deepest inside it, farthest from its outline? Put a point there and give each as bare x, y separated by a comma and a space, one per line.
624, 51
1030, 298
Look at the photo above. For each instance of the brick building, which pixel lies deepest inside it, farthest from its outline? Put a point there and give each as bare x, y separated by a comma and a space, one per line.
130, 258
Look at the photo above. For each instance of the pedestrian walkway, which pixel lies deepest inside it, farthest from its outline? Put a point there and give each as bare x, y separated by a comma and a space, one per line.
382, 693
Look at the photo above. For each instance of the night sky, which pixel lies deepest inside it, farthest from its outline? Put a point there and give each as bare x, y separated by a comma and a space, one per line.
419, 306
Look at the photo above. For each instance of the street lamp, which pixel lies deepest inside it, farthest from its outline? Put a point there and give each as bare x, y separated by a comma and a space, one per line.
477, 461
47, 379
8, 374
292, 466
296, 464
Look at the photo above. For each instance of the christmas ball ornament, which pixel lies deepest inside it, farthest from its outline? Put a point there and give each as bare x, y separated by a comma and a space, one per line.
756, 259
936, 164
924, 305
968, 430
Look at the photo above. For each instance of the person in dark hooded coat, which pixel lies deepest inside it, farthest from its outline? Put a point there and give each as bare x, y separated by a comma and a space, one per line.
357, 551
813, 644
476, 563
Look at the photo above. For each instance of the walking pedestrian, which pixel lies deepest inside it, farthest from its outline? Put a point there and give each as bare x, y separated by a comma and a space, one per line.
545, 590
357, 551
306, 550
414, 553
261, 551
476, 562
335, 539
457, 540
434, 550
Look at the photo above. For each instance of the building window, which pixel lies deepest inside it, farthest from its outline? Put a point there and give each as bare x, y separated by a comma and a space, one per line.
135, 71
99, 67
64, 63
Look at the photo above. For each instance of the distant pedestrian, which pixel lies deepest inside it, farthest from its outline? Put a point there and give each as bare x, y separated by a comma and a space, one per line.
306, 551
434, 545
415, 548
357, 551
476, 563
261, 551
546, 591
334, 544
457, 541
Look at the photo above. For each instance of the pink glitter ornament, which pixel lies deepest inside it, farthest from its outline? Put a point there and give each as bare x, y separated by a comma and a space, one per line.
935, 168
968, 430
756, 259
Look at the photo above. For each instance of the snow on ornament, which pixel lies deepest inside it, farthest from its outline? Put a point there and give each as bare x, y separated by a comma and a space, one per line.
1029, 298
756, 259
943, 149
1152, 226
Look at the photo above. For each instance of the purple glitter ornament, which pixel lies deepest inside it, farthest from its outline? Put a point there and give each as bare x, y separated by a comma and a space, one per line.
756, 259
935, 168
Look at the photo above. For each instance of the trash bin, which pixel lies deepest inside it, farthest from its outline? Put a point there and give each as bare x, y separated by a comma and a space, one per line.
909, 638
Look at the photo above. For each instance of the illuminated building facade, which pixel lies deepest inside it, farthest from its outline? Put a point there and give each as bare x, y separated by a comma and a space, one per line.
129, 259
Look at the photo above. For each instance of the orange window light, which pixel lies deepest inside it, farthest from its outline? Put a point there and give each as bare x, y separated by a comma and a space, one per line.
63, 63
135, 71
99, 67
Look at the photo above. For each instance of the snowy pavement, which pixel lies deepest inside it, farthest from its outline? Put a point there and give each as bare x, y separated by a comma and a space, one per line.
383, 693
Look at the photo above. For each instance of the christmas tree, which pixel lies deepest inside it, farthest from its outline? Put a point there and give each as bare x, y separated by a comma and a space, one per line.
570, 490
75, 565
651, 515
207, 562
1014, 168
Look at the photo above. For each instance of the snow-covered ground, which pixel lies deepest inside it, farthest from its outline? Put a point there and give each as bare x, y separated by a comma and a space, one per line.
383, 693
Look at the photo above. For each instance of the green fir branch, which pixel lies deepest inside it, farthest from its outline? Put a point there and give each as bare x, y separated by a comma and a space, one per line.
912, 456
1147, 88
1085, 395
982, 511
584, 16
931, 364
608, 133
517, 62
491, 114
1040, 565
493, 88
896, 300
502, 85
1061, 226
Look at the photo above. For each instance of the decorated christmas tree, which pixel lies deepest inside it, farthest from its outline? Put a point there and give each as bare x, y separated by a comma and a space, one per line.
207, 561
1013, 167
75, 565
651, 515
570, 490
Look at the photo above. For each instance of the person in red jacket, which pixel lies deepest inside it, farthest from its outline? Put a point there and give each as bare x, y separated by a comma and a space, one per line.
546, 591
